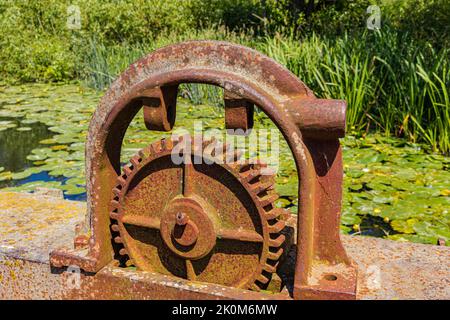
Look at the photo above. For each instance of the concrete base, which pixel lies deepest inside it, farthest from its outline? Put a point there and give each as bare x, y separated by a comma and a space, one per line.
31, 226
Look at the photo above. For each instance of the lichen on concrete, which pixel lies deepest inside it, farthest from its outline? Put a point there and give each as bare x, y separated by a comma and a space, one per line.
33, 225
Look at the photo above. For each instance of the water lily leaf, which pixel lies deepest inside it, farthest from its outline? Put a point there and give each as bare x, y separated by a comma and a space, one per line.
386, 178
25, 174
6, 175
382, 199
406, 174
282, 203
350, 217
413, 238
73, 190
48, 141
78, 181
36, 157
31, 186
356, 187
436, 229
354, 173
288, 189
29, 121
345, 229
59, 147
23, 129
404, 226
372, 158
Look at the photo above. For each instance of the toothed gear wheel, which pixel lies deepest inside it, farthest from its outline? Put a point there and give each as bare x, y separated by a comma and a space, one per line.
205, 219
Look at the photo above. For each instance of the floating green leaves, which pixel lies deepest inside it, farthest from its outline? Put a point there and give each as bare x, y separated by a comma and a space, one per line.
388, 182
6, 124
405, 186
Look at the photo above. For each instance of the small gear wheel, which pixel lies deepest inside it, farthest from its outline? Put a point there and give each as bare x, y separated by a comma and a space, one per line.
209, 218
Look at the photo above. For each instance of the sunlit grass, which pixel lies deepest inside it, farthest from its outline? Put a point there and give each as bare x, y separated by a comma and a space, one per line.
391, 85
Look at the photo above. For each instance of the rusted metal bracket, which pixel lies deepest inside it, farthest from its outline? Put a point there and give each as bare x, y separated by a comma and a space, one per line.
238, 113
310, 126
159, 106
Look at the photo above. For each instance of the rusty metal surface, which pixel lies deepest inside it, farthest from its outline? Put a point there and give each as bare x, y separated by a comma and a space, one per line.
277, 92
238, 113
321, 119
159, 105
406, 270
210, 218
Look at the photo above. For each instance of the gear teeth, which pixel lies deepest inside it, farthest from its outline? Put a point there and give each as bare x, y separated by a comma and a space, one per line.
276, 243
214, 154
116, 191
251, 175
135, 161
262, 278
168, 144
127, 170
152, 149
223, 152
260, 183
115, 204
209, 142
233, 156
234, 166
274, 213
242, 168
121, 180
254, 287
268, 199
141, 154
209, 147
114, 215
277, 227
157, 148
262, 186
269, 268
258, 165
275, 255
178, 139
115, 207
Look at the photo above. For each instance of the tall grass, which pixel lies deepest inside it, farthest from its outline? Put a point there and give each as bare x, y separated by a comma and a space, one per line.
391, 85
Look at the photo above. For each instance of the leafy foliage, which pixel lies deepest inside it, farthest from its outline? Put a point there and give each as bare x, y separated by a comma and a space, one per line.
392, 188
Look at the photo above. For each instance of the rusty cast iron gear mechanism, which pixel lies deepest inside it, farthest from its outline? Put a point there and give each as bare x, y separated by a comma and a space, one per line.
211, 218
210, 222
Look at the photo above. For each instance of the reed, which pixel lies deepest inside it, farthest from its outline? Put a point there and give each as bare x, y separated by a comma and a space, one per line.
391, 87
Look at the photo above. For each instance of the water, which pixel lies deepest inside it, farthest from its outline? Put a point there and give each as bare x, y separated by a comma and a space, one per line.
392, 189
16, 145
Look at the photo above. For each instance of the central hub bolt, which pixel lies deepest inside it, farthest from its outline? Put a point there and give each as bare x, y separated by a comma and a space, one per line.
185, 230
181, 218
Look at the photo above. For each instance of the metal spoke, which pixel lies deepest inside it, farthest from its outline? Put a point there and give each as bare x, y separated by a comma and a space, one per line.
190, 272
240, 235
142, 221
187, 178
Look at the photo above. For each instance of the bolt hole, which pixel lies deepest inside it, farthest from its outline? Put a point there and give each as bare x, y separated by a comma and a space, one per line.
330, 277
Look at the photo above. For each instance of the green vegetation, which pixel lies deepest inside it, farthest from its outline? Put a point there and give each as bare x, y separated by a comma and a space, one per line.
396, 80
392, 188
